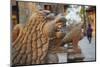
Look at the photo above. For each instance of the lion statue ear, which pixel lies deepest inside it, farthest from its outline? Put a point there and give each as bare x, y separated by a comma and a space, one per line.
61, 18
50, 16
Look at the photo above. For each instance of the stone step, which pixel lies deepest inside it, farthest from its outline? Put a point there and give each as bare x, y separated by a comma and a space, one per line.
75, 57
62, 57
70, 51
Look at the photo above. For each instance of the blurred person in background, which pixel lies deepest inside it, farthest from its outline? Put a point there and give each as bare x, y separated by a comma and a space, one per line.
89, 32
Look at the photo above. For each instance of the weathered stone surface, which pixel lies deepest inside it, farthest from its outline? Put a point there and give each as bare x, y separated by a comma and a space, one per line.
52, 58
75, 55
38, 34
28, 49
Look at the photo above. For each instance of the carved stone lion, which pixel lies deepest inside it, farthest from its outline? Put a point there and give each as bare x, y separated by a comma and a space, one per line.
32, 43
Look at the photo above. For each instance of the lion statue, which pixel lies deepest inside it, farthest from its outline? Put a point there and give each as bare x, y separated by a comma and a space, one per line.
36, 38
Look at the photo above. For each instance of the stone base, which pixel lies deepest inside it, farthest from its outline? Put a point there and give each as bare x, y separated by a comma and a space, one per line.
75, 58
52, 58
58, 50
75, 55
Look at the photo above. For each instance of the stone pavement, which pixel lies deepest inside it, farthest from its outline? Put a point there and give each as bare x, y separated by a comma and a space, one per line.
87, 49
